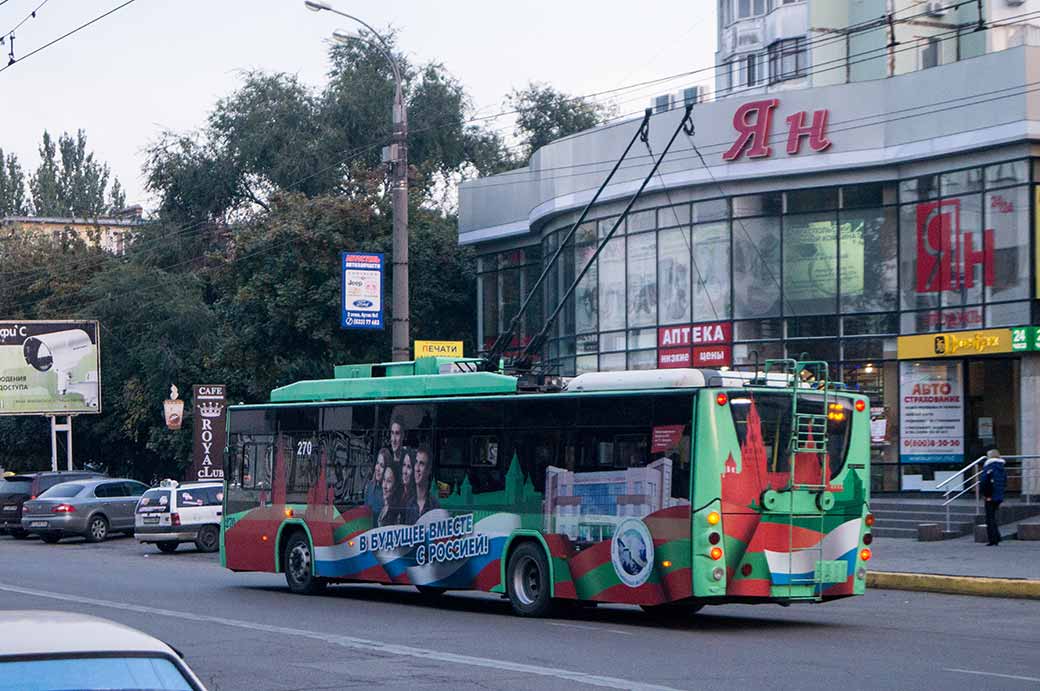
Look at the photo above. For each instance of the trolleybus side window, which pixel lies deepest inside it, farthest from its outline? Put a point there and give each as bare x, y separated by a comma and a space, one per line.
256, 465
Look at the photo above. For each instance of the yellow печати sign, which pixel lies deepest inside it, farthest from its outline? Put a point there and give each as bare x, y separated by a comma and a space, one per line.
438, 349
956, 344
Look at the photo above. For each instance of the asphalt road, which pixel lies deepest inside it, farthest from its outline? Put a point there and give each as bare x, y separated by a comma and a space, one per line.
246, 632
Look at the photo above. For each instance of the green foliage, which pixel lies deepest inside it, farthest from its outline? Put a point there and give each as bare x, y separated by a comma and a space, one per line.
545, 114
12, 187
69, 182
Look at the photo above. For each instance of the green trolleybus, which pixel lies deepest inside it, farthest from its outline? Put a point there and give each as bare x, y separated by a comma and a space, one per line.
669, 489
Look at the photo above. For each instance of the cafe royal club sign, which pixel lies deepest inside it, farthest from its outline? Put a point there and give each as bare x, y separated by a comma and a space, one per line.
210, 406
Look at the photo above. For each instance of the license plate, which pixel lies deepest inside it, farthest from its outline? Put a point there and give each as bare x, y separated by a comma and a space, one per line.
151, 519
10, 507
38, 524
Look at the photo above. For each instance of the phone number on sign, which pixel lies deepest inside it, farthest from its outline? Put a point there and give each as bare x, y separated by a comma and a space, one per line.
931, 443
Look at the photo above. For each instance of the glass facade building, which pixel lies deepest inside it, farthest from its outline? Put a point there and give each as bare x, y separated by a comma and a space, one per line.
890, 236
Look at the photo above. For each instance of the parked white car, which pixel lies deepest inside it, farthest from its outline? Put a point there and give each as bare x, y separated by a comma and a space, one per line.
175, 512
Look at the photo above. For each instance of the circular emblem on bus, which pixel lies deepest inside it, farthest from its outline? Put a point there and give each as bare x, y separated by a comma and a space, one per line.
632, 552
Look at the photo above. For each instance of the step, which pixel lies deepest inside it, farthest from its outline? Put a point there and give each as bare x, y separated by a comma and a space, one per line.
895, 532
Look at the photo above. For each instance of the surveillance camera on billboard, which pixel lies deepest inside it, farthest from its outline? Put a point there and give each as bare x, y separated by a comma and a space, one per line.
49, 368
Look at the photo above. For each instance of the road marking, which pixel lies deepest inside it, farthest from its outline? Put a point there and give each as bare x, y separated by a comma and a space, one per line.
590, 628
352, 642
990, 674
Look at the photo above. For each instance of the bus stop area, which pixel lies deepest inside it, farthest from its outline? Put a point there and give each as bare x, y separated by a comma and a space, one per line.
958, 566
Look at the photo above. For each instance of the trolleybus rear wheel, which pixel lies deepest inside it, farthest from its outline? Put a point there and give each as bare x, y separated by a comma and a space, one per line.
298, 565
527, 581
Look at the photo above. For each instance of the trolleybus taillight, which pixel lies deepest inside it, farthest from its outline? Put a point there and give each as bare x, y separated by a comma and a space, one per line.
869, 519
722, 399
861, 405
714, 518
864, 554
716, 553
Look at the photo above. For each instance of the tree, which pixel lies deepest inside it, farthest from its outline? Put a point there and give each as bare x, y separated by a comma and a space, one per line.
12, 187
545, 115
69, 181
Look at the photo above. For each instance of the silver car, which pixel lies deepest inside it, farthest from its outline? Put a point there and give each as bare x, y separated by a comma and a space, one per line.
42, 650
90, 508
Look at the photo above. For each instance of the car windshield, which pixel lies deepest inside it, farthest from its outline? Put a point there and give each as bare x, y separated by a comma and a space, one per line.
15, 486
154, 501
62, 491
137, 673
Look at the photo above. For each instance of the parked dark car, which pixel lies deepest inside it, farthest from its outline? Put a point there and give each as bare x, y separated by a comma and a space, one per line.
15, 490
90, 508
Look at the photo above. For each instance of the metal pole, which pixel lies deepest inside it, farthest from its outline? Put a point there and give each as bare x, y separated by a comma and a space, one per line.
401, 327
54, 443
68, 439
401, 319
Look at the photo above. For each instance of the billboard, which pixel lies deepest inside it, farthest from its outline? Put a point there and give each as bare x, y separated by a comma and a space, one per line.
931, 414
49, 367
362, 291
210, 406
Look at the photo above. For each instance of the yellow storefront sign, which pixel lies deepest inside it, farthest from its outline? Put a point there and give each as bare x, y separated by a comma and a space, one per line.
438, 349
956, 344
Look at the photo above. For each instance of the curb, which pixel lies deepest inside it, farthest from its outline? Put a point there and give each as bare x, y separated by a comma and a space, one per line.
956, 585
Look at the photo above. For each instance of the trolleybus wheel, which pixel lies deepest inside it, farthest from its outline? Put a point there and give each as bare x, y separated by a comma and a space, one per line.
298, 565
527, 581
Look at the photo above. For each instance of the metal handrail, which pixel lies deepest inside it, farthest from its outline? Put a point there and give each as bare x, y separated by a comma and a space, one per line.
972, 483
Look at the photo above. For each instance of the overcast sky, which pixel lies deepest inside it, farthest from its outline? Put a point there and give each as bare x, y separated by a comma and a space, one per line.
162, 64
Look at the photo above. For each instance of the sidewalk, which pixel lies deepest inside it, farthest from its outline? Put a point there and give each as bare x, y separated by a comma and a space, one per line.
957, 566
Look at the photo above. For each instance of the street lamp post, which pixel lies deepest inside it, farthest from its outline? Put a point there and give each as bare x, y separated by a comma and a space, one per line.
399, 185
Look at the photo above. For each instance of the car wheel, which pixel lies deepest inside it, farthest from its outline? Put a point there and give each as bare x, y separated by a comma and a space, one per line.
50, 538
167, 547
208, 539
97, 531
19, 534
298, 562
527, 581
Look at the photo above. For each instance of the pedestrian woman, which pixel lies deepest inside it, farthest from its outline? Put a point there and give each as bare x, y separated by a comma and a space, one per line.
993, 481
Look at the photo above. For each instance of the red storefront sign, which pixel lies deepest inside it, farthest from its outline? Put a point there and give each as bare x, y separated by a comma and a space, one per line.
754, 119
695, 345
712, 356
946, 256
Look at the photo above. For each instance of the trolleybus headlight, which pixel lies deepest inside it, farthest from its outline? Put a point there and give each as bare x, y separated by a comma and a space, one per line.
716, 553
714, 518
864, 554
722, 399
861, 405
867, 538
869, 519
717, 574
714, 538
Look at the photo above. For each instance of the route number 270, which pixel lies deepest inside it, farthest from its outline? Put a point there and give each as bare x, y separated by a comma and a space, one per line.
304, 448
